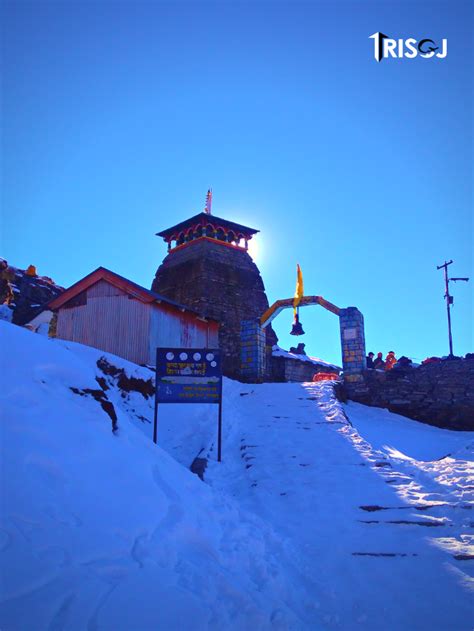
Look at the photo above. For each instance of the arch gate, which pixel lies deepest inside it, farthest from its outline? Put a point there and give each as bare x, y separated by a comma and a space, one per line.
256, 358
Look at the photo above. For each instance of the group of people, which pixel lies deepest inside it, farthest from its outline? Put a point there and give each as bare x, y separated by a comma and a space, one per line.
379, 363
390, 361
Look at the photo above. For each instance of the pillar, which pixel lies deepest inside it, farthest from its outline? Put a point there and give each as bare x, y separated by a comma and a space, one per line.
252, 338
353, 345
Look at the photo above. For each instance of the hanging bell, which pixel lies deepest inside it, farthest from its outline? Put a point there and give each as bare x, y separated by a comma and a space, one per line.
297, 328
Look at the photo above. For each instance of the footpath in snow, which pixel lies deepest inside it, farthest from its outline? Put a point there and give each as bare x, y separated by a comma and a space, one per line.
379, 508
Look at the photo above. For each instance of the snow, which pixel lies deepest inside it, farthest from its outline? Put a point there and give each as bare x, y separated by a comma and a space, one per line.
321, 515
280, 352
391, 433
376, 535
40, 323
105, 531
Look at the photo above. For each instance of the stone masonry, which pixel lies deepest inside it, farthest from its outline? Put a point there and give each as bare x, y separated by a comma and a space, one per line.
220, 282
285, 369
353, 345
253, 351
440, 394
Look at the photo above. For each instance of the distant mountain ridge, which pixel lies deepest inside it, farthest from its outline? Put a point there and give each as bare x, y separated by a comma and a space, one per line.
24, 292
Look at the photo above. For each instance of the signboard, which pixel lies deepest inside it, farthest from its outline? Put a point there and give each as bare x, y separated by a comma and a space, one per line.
189, 375
350, 334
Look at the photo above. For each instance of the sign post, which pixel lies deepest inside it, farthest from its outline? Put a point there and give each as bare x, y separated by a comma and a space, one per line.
189, 375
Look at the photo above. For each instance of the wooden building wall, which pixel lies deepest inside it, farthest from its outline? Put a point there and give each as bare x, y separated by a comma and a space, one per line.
182, 330
112, 320
107, 318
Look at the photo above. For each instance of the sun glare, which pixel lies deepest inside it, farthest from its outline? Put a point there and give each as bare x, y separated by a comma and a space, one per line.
255, 250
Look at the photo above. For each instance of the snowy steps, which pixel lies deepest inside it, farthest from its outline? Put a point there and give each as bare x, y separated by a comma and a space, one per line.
307, 471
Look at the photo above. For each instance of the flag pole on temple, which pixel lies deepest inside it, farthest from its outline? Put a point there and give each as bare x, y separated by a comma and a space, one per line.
207, 207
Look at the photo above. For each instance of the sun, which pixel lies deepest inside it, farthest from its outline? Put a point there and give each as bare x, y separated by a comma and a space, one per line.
255, 250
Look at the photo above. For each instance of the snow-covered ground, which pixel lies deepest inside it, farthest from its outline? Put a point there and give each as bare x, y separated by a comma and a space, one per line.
104, 531
321, 516
383, 538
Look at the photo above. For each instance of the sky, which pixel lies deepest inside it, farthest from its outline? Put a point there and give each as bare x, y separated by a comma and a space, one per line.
118, 116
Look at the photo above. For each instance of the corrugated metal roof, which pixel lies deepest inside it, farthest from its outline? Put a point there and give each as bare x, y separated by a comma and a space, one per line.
146, 295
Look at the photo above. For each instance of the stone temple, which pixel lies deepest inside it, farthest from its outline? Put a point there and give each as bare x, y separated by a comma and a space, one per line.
208, 269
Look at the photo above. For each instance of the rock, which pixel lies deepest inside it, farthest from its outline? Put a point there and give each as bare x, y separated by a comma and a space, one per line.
125, 383
26, 293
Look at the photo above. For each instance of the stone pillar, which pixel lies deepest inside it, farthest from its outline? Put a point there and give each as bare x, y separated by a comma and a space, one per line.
253, 338
353, 345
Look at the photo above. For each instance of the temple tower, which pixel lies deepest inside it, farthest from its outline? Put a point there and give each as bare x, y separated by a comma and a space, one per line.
208, 269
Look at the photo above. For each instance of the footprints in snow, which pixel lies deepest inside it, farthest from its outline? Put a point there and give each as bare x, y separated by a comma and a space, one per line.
245, 456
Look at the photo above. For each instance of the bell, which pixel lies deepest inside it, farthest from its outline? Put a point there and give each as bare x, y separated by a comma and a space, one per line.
297, 328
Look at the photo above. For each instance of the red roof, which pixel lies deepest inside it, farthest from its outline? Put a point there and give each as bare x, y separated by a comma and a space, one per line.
203, 219
128, 286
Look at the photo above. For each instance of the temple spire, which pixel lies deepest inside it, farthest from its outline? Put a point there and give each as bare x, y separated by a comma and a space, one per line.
207, 207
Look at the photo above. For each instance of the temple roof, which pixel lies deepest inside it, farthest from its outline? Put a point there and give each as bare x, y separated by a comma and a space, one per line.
204, 219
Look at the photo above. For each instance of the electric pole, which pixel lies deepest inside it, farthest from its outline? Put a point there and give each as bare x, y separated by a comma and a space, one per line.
449, 300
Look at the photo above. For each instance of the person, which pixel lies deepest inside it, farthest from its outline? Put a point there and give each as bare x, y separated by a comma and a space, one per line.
378, 361
390, 360
7, 279
370, 360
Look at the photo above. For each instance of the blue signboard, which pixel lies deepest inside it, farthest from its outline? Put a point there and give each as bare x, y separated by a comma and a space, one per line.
189, 375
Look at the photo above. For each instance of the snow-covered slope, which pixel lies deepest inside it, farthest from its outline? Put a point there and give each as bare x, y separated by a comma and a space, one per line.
321, 516
107, 531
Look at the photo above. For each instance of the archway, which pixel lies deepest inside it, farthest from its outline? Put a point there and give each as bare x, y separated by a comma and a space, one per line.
255, 365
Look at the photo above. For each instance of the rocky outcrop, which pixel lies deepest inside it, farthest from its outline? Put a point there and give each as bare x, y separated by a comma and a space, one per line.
124, 382
440, 394
24, 292
220, 282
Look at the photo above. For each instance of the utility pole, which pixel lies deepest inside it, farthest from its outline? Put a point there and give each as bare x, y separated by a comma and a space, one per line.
449, 300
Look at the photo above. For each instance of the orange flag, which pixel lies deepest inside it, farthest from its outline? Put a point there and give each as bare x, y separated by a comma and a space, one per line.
299, 287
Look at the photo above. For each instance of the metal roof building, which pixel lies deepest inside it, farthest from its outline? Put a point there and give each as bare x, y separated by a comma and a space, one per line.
111, 313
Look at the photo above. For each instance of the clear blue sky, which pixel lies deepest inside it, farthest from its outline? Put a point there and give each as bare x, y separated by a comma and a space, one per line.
117, 117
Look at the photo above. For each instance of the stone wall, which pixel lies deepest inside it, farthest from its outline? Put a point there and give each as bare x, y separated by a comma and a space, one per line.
440, 394
286, 369
221, 282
